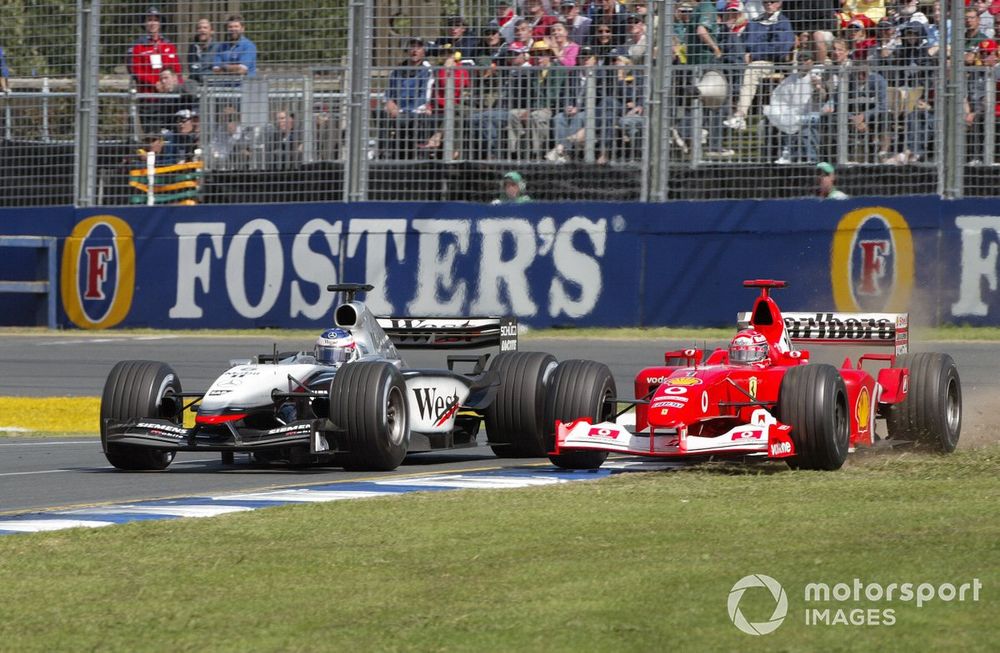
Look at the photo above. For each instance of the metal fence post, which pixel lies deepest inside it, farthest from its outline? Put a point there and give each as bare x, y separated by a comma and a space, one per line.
989, 117
359, 44
85, 159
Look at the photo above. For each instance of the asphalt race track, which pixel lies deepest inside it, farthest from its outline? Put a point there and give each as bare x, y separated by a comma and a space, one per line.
45, 473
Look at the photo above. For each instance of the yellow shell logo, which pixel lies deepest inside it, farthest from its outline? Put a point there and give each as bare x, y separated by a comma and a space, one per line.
862, 409
684, 380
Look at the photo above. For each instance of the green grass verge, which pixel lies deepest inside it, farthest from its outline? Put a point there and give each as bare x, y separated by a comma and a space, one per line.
641, 562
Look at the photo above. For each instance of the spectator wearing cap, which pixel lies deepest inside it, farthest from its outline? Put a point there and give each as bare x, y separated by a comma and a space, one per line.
151, 54
860, 30
238, 55
513, 189
578, 24
564, 49
148, 57
769, 40
636, 42
826, 180
406, 115
459, 38
201, 52
977, 111
187, 135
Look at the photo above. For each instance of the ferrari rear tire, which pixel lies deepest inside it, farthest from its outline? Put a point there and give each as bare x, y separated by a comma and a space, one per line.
580, 388
813, 401
133, 390
931, 414
368, 401
515, 421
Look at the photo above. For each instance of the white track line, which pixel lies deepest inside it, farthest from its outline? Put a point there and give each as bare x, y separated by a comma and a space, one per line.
41, 471
46, 444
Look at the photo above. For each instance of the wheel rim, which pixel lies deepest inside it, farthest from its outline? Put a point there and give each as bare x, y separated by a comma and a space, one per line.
953, 409
395, 416
841, 424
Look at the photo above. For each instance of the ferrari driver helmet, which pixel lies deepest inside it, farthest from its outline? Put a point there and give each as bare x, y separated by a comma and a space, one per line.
335, 346
749, 346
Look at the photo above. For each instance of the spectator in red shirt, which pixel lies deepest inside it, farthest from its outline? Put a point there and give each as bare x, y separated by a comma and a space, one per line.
150, 56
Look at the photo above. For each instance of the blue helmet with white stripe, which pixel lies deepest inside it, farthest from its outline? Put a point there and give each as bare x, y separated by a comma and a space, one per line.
335, 346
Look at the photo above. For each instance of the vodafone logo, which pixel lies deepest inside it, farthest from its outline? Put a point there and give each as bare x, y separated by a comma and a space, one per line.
603, 432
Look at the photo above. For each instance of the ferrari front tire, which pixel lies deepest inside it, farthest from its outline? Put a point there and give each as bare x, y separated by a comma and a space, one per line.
580, 388
368, 401
932, 411
813, 401
133, 390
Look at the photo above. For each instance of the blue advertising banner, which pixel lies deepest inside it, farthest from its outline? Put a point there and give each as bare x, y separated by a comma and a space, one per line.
573, 264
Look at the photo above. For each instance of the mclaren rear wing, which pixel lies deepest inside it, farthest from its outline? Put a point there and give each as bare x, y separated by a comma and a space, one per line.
451, 332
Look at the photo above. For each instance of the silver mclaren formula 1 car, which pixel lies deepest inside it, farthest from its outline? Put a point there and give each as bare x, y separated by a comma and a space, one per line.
352, 401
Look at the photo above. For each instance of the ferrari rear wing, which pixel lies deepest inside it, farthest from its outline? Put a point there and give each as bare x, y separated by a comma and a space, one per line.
862, 329
451, 332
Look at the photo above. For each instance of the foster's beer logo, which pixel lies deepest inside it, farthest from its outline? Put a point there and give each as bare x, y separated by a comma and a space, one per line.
98, 272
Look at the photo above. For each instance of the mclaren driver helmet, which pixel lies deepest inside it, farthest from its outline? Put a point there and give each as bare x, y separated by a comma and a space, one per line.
749, 346
335, 346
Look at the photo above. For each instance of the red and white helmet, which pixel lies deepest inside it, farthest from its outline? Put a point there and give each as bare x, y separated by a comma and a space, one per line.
749, 346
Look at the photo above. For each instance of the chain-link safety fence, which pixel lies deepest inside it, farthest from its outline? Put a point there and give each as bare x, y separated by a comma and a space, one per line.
118, 102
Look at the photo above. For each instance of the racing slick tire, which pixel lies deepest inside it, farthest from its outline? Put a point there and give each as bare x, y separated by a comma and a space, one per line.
368, 401
580, 388
813, 401
515, 421
931, 414
136, 389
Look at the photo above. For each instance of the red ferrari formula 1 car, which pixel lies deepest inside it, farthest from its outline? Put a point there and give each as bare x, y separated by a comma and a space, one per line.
762, 397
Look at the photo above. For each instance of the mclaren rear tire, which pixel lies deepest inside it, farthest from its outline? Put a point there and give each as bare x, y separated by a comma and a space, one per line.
368, 401
580, 388
515, 421
133, 390
931, 414
813, 401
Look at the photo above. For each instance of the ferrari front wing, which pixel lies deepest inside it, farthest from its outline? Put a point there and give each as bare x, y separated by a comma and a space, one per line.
766, 436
